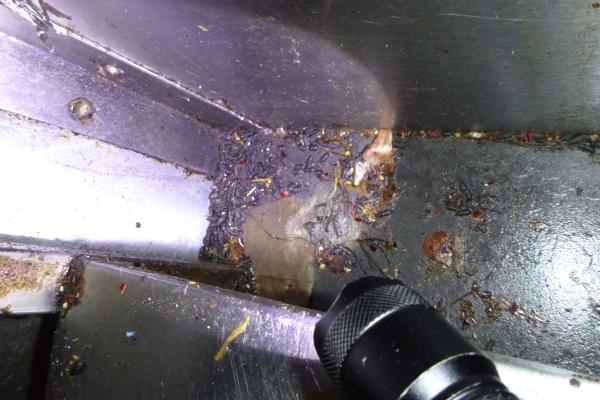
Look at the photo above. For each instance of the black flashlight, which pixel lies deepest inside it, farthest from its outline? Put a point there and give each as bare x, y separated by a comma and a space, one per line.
380, 340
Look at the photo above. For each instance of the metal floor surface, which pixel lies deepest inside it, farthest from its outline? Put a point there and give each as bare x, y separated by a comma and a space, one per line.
539, 251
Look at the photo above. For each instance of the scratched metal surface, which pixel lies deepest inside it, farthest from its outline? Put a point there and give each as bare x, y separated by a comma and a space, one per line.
178, 330
439, 64
541, 249
40, 85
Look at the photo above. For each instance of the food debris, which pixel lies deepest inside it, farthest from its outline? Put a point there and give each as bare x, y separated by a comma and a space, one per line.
539, 226
463, 200
234, 334
76, 365
122, 287
479, 221
574, 382
17, 274
202, 28
379, 152
130, 334
495, 305
266, 181
430, 211
236, 249
438, 247
466, 313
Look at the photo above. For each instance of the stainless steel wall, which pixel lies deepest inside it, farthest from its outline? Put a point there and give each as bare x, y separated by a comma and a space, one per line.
437, 64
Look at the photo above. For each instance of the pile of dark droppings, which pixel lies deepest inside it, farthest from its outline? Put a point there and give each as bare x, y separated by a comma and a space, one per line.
256, 168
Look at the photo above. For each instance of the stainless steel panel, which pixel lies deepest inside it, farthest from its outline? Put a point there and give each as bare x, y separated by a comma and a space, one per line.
160, 337
447, 65
65, 190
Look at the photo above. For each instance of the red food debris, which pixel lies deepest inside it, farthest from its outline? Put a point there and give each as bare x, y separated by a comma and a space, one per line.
289, 286
242, 162
404, 134
529, 136
283, 194
436, 133
122, 287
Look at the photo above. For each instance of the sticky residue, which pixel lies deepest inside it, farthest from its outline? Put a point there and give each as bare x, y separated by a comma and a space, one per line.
234, 334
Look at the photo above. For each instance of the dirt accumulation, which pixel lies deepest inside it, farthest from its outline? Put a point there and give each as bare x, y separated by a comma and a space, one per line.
341, 184
17, 274
287, 203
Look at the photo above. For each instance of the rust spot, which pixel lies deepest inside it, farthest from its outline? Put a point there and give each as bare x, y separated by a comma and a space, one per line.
438, 247
595, 5
7, 309
16, 274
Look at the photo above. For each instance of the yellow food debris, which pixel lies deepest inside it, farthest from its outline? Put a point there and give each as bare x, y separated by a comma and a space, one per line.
192, 283
235, 333
347, 153
322, 266
457, 135
381, 177
369, 212
476, 135
349, 183
266, 181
